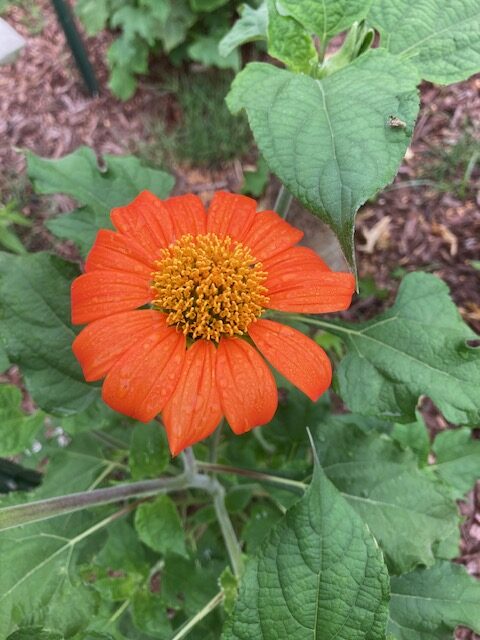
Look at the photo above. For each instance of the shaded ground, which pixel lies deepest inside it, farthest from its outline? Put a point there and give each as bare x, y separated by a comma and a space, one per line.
429, 219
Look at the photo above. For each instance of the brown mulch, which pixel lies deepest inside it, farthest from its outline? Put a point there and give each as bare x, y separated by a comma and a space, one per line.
411, 225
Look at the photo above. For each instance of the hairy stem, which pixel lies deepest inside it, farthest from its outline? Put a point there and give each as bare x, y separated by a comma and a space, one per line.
287, 483
198, 617
228, 532
283, 202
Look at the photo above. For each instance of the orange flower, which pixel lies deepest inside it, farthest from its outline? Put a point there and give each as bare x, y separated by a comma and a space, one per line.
173, 301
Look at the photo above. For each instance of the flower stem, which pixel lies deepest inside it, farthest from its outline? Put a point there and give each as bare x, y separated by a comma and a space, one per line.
287, 483
228, 532
188, 626
283, 202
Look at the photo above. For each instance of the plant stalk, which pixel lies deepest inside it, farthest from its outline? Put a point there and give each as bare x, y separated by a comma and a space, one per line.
283, 202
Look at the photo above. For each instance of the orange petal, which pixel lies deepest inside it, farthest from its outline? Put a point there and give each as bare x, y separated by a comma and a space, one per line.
102, 293
270, 234
297, 357
147, 221
100, 345
231, 215
247, 388
188, 215
309, 290
294, 259
193, 411
113, 251
142, 381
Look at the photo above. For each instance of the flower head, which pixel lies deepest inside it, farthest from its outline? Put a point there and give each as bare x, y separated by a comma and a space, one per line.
173, 300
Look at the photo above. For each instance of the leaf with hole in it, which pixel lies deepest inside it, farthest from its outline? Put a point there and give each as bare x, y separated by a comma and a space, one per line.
330, 141
409, 511
318, 574
428, 604
251, 26
36, 330
99, 191
442, 39
457, 459
17, 430
417, 347
332, 17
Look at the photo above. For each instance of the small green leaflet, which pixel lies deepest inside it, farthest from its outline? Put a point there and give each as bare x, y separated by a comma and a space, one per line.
442, 39
329, 141
251, 26
36, 330
327, 18
417, 347
318, 574
93, 14
159, 526
457, 459
98, 191
204, 49
17, 430
407, 509
428, 604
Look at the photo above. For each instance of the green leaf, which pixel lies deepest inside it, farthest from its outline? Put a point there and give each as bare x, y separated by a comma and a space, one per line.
441, 40
149, 615
255, 182
17, 430
417, 347
36, 330
251, 26
99, 191
35, 633
289, 42
204, 49
334, 16
187, 585
149, 454
206, 5
414, 435
159, 526
329, 141
175, 29
229, 585
457, 459
428, 604
93, 14
134, 21
318, 574
407, 509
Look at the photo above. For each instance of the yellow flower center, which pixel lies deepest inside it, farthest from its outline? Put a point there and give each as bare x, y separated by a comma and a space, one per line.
209, 287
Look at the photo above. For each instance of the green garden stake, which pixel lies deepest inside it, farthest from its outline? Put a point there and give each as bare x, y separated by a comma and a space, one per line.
76, 45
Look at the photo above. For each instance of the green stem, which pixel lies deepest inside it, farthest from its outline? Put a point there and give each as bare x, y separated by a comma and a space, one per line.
283, 202
51, 507
228, 532
324, 324
210, 606
287, 483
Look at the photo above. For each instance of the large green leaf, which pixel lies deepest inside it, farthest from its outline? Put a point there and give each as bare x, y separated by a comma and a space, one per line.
17, 430
78, 175
318, 574
428, 604
330, 141
417, 347
442, 39
457, 459
408, 510
329, 17
36, 330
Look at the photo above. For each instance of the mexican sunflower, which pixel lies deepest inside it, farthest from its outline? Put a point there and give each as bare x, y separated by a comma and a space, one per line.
174, 300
